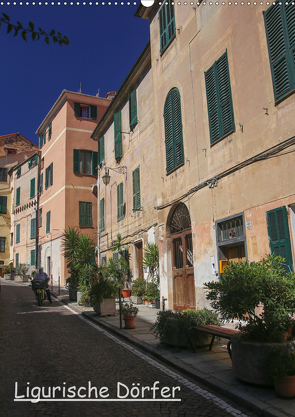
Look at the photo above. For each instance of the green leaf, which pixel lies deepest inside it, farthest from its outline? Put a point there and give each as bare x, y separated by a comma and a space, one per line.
32, 26
52, 32
24, 35
34, 34
6, 17
9, 28
55, 39
20, 25
16, 32
59, 34
47, 40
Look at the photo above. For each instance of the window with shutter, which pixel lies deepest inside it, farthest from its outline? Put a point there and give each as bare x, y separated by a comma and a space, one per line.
136, 189
40, 217
16, 259
85, 214
17, 199
18, 172
173, 131
115, 256
85, 162
101, 212
280, 31
132, 109
118, 135
101, 150
279, 237
46, 178
3, 174
41, 184
3, 204
120, 202
32, 188
94, 163
49, 131
167, 24
51, 174
33, 261
48, 222
86, 111
17, 233
2, 244
33, 229
219, 100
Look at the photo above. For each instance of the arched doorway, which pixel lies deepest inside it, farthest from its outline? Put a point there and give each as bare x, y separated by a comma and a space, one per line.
182, 259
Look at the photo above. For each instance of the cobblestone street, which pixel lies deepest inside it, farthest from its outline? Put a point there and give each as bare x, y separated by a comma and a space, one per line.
50, 346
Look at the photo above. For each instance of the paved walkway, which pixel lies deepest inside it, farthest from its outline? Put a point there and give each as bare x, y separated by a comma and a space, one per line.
212, 368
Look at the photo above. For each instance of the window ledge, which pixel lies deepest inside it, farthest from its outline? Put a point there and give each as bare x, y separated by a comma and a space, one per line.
284, 97
223, 137
174, 169
166, 47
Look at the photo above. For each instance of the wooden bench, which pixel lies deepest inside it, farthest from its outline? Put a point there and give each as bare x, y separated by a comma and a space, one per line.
215, 331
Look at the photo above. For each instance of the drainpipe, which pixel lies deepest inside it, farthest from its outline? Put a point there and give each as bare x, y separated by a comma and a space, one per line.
98, 215
37, 212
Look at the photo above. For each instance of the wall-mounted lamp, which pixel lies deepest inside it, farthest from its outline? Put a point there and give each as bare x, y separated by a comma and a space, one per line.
106, 177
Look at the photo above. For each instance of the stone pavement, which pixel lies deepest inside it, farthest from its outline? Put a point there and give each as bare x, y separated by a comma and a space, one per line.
211, 368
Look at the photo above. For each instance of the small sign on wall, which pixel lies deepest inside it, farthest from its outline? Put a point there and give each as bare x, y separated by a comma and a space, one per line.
248, 224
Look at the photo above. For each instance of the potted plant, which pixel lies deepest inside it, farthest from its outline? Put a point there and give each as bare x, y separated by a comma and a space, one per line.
85, 299
21, 271
129, 313
72, 286
152, 292
171, 326
102, 295
151, 261
263, 293
281, 366
138, 289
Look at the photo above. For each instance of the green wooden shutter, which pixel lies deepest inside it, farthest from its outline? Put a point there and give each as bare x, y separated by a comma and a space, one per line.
115, 256
17, 233
17, 202
49, 130
33, 262
32, 188
280, 31
33, 229
94, 163
46, 178
48, 222
82, 213
51, 173
18, 172
173, 130
120, 204
118, 135
136, 189
100, 150
278, 233
77, 109
101, 212
167, 24
219, 99
88, 213
29, 163
16, 259
76, 161
3, 204
41, 184
40, 141
93, 112
132, 109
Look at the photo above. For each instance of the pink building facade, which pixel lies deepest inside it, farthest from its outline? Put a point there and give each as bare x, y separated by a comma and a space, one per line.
68, 170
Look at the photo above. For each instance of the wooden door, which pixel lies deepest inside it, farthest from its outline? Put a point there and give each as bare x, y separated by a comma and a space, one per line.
183, 271
236, 253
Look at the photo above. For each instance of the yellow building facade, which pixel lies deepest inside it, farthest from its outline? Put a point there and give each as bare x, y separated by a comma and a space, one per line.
224, 128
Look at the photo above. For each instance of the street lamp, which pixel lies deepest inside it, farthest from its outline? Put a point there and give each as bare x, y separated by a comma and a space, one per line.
106, 177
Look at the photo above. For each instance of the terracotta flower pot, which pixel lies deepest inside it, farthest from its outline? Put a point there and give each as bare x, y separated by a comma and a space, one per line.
285, 386
125, 292
129, 322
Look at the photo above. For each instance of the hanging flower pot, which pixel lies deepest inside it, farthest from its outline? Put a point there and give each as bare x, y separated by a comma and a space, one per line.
125, 292
129, 322
285, 386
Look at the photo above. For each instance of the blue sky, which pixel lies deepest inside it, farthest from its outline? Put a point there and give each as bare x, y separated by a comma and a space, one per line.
106, 40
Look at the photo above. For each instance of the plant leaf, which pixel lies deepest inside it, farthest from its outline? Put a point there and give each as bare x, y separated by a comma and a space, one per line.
32, 26
9, 28
6, 17
47, 40
24, 35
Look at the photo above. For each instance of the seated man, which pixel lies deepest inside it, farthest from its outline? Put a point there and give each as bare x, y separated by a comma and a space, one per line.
42, 276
